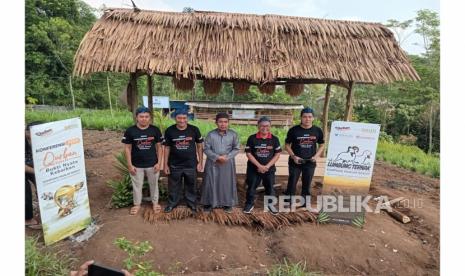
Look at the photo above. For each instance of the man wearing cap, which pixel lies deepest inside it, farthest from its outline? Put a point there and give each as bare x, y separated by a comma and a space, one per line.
304, 143
183, 158
144, 156
219, 182
262, 150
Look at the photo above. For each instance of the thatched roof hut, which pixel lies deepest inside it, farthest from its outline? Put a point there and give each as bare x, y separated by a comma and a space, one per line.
246, 48
231, 46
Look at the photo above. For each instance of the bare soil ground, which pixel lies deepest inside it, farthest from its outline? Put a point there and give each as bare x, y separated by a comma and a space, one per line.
383, 247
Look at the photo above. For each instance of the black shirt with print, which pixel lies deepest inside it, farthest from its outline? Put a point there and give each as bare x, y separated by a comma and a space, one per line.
303, 141
143, 150
182, 143
263, 149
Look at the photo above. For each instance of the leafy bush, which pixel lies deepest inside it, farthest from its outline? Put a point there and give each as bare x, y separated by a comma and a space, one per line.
122, 189
383, 136
122, 192
135, 260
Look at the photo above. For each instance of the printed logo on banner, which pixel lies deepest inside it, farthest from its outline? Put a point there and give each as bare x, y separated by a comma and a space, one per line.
342, 128
44, 132
352, 159
67, 127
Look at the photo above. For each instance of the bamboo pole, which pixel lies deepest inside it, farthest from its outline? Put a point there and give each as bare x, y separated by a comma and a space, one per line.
109, 96
325, 114
349, 103
150, 94
72, 92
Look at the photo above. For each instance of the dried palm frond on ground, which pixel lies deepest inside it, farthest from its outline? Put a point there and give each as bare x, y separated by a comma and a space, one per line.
241, 87
212, 87
294, 89
267, 88
237, 217
183, 84
258, 219
177, 214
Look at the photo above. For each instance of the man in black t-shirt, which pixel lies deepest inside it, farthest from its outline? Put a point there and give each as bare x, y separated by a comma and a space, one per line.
144, 156
262, 150
301, 144
183, 158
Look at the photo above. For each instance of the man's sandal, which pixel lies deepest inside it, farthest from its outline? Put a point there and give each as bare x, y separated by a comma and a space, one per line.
134, 210
156, 208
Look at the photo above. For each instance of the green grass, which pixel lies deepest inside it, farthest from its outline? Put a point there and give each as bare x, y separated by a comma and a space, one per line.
91, 119
39, 261
408, 157
291, 269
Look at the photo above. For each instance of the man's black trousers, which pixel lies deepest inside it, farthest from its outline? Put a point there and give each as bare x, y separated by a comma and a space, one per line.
178, 178
253, 180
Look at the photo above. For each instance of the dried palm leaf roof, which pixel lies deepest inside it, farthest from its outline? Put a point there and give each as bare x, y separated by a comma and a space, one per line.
231, 46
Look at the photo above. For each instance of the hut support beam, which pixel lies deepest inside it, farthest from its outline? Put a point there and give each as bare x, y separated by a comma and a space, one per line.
349, 102
150, 94
132, 94
325, 113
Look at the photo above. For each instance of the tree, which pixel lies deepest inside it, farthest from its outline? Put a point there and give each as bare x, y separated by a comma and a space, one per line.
428, 27
54, 29
399, 28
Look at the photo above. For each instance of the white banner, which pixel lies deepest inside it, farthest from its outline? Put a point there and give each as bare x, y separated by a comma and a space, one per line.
243, 114
60, 175
351, 157
158, 101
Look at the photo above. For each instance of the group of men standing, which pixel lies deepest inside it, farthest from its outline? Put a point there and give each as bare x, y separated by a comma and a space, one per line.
179, 153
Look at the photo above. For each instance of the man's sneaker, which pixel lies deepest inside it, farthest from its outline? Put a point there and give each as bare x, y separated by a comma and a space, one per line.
228, 209
168, 209
248, 209
207, 209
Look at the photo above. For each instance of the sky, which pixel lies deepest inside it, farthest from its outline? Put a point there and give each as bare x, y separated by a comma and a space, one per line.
359, 10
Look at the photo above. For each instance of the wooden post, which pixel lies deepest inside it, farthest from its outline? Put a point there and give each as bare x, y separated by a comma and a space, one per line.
325, 114
109, 96
349, 103
193, 94
72, 92
150, 94
132, 94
